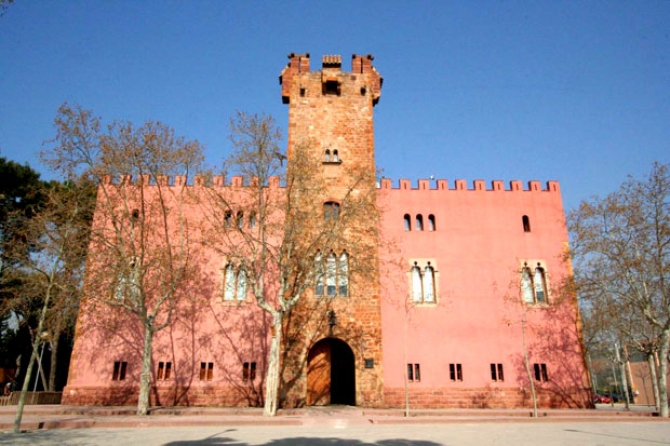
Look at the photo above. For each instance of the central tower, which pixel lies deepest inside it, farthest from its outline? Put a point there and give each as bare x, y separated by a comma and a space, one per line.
337, 359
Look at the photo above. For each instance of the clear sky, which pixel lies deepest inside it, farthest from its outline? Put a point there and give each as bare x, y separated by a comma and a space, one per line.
575, 91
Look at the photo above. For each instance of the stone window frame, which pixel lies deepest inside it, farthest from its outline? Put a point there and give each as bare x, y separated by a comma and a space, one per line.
534, 282
423, 265
331, 271
237, 275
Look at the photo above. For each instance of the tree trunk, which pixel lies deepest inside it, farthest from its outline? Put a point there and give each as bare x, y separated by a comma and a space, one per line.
404, 365
624, 375
526, 361
272, 379
31, 362
145, 375
654, 381
663, 373
54, 363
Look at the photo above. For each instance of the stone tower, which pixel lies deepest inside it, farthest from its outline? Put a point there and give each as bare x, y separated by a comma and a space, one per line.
337, 360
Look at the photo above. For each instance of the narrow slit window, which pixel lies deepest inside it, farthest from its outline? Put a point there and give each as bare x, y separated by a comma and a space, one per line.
326, 156
240, 220
227, 219
408, 222
431, 223
456, 372
419, 222
526, 223
252, 220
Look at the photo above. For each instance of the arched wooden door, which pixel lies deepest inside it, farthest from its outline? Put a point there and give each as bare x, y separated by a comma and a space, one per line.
331, 374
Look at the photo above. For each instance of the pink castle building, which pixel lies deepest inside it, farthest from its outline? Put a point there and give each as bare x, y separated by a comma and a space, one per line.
471, 280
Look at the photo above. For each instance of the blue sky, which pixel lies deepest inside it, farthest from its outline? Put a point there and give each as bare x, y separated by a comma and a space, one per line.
550, 90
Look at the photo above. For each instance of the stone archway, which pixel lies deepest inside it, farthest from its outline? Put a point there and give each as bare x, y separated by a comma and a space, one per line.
331, 373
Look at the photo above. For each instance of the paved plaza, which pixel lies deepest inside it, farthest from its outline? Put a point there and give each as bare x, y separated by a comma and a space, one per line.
502, 433
332, 425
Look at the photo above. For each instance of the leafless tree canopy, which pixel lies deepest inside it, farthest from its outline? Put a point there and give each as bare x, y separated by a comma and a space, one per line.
621, 245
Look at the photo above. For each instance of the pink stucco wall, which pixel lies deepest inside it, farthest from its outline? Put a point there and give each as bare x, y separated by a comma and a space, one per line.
477, 249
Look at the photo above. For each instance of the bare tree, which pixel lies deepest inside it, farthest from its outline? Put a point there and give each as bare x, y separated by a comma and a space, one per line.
286, 248
51, 273
622, 247
140, 236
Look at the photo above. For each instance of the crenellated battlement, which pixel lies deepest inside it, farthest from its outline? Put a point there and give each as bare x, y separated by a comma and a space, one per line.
477, 186
236, 181
331, 77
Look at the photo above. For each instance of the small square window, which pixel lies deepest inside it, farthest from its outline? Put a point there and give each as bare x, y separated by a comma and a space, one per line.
206, 371
119, 373
164, 371
331, 87
455, 372
413, 372
249, 371
540, 372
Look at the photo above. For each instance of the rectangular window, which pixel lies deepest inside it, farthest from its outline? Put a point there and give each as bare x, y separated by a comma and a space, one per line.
164, 371
206, 371
119, 373
497, 372
455, 372
541, 372
413, 372
249, 371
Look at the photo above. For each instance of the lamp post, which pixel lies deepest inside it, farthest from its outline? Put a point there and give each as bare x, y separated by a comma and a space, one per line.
332, 321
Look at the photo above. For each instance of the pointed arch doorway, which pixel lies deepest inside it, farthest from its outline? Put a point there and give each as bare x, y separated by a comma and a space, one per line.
331, 373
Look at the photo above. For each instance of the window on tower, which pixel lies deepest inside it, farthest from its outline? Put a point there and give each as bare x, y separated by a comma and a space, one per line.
331, 210
533, 284
331, 87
